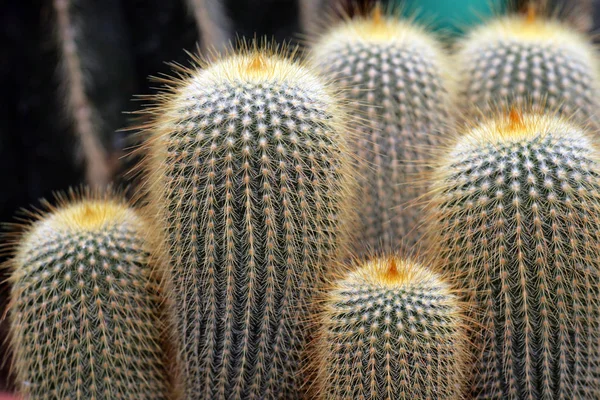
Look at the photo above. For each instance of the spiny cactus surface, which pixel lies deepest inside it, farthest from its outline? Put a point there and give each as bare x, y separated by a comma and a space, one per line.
394, 73
248, 174
84, 309
529, 61
392, 329
515, 215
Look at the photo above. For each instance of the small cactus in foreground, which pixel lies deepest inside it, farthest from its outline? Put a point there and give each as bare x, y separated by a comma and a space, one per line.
391, 330
529, 61
515, 216
248, 173
84, 309
394, 74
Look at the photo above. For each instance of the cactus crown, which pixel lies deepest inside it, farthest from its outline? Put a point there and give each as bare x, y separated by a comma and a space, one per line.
391, 329
531, 30
515, 211
85, 310
376, 28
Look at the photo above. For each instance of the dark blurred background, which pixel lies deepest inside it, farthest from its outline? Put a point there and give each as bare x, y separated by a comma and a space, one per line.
69, 70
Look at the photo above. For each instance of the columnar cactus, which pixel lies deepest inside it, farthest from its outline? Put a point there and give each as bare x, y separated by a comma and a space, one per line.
395, 76
248, 174
529, 61
515, 216
392, 329
85, 311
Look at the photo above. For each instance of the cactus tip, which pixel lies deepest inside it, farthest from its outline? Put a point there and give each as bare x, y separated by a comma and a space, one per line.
515, 120
531, 12
377, 14
257, 62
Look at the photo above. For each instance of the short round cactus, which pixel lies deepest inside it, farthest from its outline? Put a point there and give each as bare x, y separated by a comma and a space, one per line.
515, 216
248, 175
85, 312
394, 73
529, 61
391, 330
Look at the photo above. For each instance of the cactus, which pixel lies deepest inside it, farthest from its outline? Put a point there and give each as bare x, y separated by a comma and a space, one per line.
84, 308
392, 329
529, 61
249, 177
515, 215
394, 73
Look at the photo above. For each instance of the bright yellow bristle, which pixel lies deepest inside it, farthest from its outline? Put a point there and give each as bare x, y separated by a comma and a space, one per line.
393, 272
515, 126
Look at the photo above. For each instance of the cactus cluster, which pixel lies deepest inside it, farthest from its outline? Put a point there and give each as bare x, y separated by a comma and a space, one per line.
249, 177
85, 309
212, 287
391, 329
515, 217
529, 61
395, 76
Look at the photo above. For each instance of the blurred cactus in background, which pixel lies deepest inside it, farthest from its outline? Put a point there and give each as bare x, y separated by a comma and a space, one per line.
529, 61
394, 74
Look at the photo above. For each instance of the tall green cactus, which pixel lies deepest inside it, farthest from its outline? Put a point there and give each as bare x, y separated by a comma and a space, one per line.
529, 61
394, 73
392, 329
515, 214
249, 176
85, 311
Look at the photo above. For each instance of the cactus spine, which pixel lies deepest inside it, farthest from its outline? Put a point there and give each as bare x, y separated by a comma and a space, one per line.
515, 214
248, 174
84, 308
394, 73
529, 61
392, 329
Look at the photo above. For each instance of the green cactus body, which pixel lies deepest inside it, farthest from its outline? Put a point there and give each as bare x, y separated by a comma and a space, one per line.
529, 61
249, 176
84, 311
394, 73
391, 330
515, 215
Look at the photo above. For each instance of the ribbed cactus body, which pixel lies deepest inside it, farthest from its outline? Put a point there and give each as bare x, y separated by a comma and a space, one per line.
529, 61
394, 73
249, 177
391, 330
515, 215
85, 316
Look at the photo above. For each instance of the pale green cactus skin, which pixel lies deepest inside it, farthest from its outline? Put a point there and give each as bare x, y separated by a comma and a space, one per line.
249, 175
